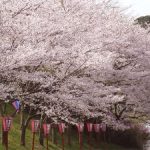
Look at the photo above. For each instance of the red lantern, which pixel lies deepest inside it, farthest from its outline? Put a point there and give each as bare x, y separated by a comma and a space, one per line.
89, 127
61, 127
35, 125
97, 128
80, 127
7, 121
46, 128
103, 127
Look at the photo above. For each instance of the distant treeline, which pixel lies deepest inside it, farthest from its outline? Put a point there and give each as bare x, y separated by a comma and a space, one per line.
144, 21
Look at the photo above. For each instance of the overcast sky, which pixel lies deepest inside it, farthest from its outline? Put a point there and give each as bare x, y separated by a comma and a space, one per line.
137, 7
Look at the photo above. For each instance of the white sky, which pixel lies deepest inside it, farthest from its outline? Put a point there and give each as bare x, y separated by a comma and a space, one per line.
137, 7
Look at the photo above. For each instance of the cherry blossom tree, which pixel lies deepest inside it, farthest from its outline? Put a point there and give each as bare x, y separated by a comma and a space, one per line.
75, 60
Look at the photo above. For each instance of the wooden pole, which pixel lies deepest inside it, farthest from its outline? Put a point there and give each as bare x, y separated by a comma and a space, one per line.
6, 140
98, 139
63, 141
105, 141
47, 141
54, 135
80, 140
3, 136
89, 140
33, 139
69, 135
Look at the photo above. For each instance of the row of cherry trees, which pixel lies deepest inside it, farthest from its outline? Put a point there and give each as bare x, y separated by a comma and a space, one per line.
74, 61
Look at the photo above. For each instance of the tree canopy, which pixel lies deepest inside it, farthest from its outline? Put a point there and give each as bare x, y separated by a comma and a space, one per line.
74, 60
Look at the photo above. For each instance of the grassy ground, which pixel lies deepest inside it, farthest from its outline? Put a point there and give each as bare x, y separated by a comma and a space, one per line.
14, 139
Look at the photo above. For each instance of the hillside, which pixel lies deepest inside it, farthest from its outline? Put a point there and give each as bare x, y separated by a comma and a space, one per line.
14, 139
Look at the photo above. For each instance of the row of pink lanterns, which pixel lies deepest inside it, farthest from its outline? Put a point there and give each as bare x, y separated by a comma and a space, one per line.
61, 127
35, 124
90, 127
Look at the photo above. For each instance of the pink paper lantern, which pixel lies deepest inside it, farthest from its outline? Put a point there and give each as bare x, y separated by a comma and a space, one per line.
61, 127
35, 125
80, 127
89, 127
97, 128
7, 121
46, 128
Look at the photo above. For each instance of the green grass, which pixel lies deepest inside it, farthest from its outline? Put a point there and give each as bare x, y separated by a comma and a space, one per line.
14, 140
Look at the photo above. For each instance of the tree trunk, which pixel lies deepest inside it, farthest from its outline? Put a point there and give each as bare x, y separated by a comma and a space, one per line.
23, 136
5, 139
53, 135
69, 134
23, 127
41, 135
24, 124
